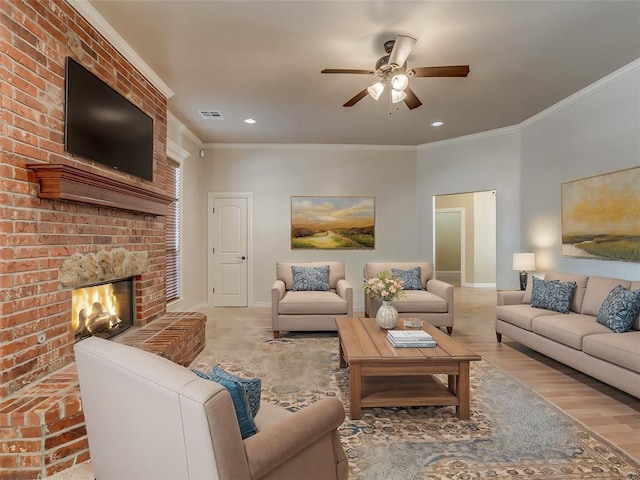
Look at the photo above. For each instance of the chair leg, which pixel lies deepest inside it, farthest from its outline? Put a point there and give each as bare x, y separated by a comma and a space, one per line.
276, 334
449, 330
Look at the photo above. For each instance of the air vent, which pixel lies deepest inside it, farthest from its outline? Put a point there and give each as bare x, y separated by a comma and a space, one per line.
211, 115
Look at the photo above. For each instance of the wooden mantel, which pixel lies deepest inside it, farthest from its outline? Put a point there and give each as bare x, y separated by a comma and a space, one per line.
63, 182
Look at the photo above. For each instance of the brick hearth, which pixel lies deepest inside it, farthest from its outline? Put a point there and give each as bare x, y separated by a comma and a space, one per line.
43, 425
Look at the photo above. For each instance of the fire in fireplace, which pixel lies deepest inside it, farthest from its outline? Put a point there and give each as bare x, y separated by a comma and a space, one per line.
104, 310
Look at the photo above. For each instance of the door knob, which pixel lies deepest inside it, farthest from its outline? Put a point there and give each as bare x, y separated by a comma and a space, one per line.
242, 257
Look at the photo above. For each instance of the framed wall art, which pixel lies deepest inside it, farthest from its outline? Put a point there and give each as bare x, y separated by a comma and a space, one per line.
333, 223
600, 216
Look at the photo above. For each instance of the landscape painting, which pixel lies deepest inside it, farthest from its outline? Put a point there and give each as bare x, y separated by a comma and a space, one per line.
329, 223
600, 217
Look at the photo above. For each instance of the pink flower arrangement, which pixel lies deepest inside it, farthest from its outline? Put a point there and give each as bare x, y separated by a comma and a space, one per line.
385, 286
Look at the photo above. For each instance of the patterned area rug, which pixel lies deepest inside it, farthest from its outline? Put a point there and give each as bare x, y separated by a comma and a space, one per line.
513, 431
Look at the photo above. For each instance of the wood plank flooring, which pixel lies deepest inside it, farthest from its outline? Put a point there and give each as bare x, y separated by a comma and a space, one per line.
609, 412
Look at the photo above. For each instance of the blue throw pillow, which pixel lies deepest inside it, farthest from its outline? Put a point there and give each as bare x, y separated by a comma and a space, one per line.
620, 309
552, 295
410, 278
240, 403
252, 386
310, 278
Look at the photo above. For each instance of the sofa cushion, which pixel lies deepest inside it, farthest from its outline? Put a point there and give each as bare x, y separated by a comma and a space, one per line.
416, 301
310, 303
520, 315
636, 325
284, 272
252, 386
240, 403
567, 329
371, 269
579, 292
620, 309
410, 278
597, 290
314, 279
552, 295
619, 349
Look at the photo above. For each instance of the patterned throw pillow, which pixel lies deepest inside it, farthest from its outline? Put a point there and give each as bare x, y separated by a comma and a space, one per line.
310, 278
619, 309
253, 386
552, 294
240, 403
410, 278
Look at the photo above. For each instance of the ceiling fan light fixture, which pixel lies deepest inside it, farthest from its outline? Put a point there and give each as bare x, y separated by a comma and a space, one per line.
397, 96
376, 90
400, 81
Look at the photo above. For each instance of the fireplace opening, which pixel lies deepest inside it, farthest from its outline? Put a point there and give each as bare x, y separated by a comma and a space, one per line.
104, 310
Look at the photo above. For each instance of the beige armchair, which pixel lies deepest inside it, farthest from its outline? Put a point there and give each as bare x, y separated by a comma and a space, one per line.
293, 310
148, 418
434, 303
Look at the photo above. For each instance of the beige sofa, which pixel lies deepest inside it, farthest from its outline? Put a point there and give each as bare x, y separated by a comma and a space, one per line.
575, 339
434, 303
309, 310
148, 418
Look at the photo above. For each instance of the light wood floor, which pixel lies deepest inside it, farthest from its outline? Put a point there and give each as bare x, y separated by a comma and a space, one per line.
609, 412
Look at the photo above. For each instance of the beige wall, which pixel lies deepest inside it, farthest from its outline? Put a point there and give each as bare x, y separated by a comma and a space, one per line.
275, 174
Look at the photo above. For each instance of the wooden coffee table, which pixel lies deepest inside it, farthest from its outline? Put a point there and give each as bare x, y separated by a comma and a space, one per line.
383, 376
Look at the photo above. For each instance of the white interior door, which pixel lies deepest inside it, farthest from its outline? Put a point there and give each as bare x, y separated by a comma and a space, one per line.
229, 248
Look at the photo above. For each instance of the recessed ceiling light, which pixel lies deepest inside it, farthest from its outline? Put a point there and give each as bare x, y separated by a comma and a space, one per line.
250, 121
437, 124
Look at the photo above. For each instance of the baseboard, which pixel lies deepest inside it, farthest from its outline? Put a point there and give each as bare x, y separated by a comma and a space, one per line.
479, 285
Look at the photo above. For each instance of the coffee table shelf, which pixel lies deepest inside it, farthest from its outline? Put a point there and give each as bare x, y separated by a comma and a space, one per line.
406, 391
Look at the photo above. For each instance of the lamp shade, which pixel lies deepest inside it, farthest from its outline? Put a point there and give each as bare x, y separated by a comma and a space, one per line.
400, 81
397, 96
376, 90
524, 262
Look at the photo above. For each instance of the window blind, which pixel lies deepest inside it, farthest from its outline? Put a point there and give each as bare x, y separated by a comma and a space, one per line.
173, 227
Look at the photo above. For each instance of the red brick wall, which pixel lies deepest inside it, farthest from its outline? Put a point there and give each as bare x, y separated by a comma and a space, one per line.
37, 235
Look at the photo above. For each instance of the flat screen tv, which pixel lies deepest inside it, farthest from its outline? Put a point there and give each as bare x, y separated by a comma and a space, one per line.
103, 126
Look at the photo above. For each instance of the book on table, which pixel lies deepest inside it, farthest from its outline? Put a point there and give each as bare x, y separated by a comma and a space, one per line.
400, 339
408, 335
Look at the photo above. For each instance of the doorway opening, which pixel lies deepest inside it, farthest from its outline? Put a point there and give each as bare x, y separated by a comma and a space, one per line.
464, 240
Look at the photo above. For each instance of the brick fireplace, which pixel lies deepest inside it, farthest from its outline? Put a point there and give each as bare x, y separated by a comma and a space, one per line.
41, 424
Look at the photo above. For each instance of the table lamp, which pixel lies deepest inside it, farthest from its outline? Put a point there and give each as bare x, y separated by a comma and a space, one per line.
524, 262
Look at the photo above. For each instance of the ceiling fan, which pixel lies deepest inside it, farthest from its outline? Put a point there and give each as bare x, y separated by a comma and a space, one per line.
393, 71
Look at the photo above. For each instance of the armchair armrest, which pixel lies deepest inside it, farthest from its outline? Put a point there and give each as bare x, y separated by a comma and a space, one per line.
442, 289
345, 291
278, 289
510, 297
275, 445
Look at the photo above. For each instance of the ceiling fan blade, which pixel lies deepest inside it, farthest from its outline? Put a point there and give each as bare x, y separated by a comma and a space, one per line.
412, 100
344, 70
359, 96
401, 50
450, 71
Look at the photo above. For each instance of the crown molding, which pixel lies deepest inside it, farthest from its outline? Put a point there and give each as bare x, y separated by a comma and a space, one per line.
182, 129
176, 152
307, 146
589, 90
470, 138
84, 8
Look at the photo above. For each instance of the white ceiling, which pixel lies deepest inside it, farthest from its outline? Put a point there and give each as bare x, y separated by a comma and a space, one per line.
262, 59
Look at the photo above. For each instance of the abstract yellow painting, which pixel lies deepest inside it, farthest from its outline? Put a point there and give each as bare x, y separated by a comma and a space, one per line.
333, 223
601, 216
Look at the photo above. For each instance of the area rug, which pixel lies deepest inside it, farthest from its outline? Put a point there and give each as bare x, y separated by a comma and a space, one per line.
512, 432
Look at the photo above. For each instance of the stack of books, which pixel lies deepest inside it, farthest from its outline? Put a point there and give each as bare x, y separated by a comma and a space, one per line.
410, 338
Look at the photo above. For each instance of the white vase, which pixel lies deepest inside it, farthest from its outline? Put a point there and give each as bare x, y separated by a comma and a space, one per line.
387, 316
